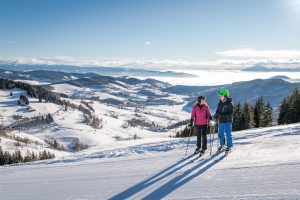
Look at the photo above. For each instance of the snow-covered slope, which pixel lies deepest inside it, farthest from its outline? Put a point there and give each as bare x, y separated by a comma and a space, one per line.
69, 124
264, 164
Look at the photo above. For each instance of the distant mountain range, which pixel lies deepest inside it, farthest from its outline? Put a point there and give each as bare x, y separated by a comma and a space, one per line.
108, 71
117, 91
272, 90
267, 69
79, 79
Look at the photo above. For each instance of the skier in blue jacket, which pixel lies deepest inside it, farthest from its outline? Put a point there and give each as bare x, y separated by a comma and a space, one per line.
224, 114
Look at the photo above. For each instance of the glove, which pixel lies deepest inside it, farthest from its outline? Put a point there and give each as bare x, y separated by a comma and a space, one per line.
191, 123
211, 123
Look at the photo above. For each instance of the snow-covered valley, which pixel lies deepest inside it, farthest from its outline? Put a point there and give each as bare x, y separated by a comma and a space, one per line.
129, 111
264, 164
113, 138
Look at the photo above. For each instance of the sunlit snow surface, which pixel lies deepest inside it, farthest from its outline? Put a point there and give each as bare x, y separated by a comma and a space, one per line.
264, 164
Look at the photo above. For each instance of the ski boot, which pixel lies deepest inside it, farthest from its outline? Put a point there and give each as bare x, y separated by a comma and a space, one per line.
227, 151
202, 152
197, 150
220, 149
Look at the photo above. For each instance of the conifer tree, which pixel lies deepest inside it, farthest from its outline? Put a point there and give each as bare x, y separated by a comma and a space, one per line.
289, 110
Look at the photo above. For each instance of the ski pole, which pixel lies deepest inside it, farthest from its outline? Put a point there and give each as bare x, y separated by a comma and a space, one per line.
210, 142
210, 139
187, 146
209, 128
218, 135
213, 138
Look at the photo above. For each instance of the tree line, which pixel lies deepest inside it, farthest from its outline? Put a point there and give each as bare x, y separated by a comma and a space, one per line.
42, 93
34, 91
262, 115
247, 116
7, 158
25, 140
289, 110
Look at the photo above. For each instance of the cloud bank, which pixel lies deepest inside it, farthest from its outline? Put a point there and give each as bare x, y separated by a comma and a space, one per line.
261, 54
229, 59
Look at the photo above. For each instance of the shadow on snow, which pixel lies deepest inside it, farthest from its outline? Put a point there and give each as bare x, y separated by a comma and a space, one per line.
171, 185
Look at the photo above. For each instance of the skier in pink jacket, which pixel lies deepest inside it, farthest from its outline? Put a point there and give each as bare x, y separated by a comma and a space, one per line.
200, 118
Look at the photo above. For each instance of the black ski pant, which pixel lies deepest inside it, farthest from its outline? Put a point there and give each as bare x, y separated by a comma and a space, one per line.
201, 132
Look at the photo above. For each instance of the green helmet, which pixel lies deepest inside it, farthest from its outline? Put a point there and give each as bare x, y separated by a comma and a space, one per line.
223, 92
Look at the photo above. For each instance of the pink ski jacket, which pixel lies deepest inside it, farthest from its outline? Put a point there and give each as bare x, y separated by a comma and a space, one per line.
201, 114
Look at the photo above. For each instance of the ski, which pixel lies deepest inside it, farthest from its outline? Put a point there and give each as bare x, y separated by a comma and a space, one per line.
190, 156
201, 154
227, 152
220, 151
198, 157
202, 158
192, 162
208, 157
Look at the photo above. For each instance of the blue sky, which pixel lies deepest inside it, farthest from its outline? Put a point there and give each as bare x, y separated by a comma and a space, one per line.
185, 30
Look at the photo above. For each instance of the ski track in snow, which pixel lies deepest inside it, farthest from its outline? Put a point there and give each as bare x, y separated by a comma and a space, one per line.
264, 164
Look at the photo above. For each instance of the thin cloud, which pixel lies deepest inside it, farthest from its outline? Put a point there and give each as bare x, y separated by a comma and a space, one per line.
147, 43
162, 64
261, 54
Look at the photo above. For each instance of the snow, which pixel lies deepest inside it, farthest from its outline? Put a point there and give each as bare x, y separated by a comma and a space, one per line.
69, 89
264, 164
69, 125
103, 95
8, 72
33, 82
70, 78
9, 106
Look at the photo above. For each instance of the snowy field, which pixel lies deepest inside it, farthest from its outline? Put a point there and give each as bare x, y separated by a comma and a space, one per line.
264, 164
33, 82
69, 125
